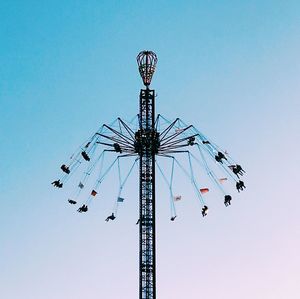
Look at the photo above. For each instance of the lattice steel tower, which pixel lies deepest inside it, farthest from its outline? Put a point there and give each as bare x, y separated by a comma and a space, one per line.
152, 138
146, 144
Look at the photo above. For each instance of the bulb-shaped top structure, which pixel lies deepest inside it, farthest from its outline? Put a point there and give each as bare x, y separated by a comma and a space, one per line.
147, 62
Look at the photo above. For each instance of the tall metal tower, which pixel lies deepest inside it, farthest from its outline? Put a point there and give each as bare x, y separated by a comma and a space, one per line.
147, 144
151, 138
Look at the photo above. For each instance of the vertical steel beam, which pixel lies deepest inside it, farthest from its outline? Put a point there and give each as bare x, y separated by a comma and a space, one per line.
147, 152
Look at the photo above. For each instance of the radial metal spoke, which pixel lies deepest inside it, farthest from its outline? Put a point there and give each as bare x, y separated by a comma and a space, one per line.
122, 136
171, 137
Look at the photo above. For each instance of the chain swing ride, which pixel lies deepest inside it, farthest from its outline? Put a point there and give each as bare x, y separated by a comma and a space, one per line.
147, 139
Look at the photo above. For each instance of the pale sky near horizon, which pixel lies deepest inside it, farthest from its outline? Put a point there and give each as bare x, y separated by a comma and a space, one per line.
231, 68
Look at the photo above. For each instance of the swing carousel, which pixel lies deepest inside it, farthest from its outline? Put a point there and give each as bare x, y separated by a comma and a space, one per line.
183, 145
150, 143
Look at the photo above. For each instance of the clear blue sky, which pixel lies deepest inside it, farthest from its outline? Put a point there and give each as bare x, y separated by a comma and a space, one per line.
231, 68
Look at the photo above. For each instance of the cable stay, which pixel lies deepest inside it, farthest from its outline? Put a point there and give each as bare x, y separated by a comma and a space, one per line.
212, 144
157, 123
197, 189
101, 177
226, 169
210, 173
86, 144
120, 135
224, 166
202, 137
161, 122
172, 195
164, 133
122, 184
72, 169
172, 138
114, 139
94, 192
213, 147
118, 145
167, 140
85, 152
134, 122
170, 186
135, 118
86, 175
112, 124
216, 154
127, 128
178, 124
190, 176
76, 158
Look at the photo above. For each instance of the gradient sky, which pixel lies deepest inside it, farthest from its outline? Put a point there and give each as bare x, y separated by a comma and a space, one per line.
231, 68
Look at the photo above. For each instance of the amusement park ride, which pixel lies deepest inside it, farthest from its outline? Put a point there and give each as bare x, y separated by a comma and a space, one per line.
147, 138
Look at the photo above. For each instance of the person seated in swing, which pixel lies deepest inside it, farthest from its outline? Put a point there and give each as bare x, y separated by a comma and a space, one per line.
65, 169
240, 185
222, 156
111, 217
204, 211
240, 170
219, 157
85, 156
72, 202
237, 170
227, 200
117, 148
57, 184
173, 218
191, 140
83, 208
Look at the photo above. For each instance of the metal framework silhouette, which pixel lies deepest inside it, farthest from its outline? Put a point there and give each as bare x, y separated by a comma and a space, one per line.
146, 142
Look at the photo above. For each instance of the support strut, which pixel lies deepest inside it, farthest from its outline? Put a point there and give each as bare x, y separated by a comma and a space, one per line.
146, 145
